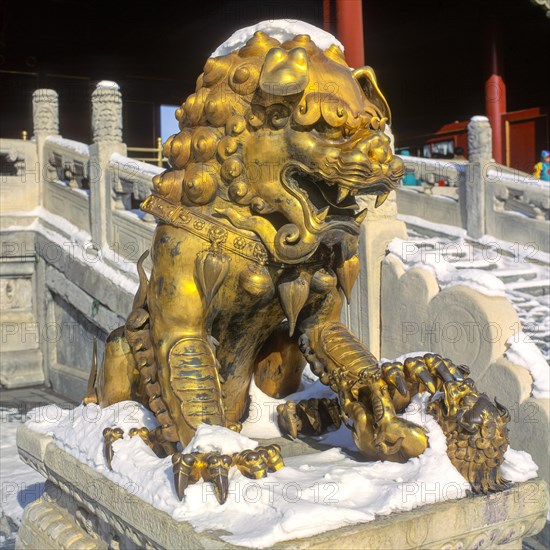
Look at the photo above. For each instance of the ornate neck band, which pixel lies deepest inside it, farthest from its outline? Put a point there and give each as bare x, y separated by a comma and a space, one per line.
207, 228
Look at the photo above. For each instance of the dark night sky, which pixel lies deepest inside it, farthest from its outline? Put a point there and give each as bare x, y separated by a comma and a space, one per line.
430, 56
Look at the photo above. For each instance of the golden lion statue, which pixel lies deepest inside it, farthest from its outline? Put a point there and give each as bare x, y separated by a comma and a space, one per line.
254, 254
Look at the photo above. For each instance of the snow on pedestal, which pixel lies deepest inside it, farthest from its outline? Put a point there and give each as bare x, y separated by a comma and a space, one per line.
312, 494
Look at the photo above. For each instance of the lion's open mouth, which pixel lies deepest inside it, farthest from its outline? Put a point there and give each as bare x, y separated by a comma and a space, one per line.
332, 197
323, 197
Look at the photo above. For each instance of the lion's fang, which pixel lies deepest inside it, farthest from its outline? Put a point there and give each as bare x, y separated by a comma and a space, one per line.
361, 216
381, 199
342, 194
320, 215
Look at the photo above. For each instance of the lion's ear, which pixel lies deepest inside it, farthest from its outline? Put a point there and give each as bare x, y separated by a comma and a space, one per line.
285, 73
367, 80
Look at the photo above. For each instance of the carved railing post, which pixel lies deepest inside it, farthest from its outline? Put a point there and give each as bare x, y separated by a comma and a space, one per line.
479, 152
380, 227
45, 116
45, 113
107, 139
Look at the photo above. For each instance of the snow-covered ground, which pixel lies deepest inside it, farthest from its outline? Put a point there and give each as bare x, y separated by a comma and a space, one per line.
311, 494
19, 484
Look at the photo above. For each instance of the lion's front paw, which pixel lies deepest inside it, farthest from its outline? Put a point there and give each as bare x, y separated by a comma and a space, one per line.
288, 419
213, 467
310, 416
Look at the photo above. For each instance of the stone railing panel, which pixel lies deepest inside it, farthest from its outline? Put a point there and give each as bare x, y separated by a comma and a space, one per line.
492, 199
519, 192
530, 430
20, 351
518, 208
457, 322
66, 180
19, 175
428, 200
130, 236
378, 229
68, 162
130, 181
71, 204
435, 207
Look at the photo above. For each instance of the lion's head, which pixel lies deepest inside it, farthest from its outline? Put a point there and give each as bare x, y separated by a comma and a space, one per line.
279, 139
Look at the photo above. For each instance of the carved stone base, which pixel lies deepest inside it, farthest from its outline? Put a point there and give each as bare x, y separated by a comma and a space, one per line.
81, 509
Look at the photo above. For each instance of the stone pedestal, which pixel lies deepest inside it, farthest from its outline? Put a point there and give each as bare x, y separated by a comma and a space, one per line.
81, 509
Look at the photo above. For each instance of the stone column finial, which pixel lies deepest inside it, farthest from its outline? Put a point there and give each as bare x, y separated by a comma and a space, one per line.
45, 112
107, 113
479, 139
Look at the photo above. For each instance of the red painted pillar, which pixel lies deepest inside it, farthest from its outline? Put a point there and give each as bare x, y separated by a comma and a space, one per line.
349, 30
495, 100
327, 15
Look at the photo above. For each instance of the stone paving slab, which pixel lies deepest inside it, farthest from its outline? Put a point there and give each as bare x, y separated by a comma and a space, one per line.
30, 397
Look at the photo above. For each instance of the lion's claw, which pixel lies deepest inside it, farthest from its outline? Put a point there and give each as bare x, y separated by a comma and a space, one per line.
182, 467
309, 409
214, 468
272, 457
110, 435
394, 375
330, 409
217, 472
310, 416
251, 464
429, 372
417, 371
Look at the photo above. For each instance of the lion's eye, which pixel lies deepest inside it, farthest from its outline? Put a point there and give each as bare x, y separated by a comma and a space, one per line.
329, 133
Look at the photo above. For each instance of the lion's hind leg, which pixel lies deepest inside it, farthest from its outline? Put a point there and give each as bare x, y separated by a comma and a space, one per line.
117, 378
279, 364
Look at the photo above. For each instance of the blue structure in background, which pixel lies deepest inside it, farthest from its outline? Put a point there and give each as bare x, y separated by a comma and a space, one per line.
409, 177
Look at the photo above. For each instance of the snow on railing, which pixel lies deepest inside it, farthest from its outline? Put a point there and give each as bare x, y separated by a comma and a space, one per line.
515, 191
68, 161
131, 181
486, 194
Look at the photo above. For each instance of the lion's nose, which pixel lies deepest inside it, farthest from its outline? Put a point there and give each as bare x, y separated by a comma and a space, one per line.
376, 123
375, 148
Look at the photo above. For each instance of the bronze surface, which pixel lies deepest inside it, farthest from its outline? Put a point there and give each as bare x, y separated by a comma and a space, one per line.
253, 256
